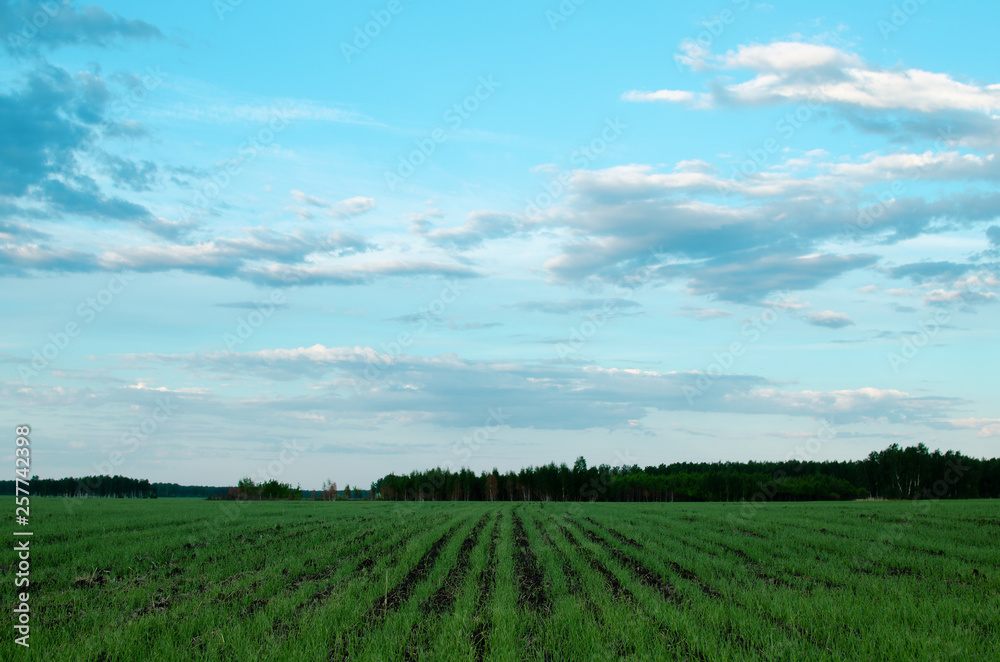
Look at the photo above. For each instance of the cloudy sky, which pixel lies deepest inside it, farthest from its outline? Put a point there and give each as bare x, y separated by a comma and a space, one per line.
389, 235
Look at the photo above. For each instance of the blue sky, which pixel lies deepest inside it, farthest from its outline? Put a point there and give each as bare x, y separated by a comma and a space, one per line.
393, 235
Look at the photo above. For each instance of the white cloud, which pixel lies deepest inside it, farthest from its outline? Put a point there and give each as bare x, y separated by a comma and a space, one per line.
942, 297
787, 56
343, 209
868, 403
700, 313
795, 72
280, 274
787, 304
988, 427
928, 165
352, 207
830, 319
479, 227
306, 199
671, 96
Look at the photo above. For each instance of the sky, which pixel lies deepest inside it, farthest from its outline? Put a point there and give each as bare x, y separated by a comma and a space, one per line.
338, 240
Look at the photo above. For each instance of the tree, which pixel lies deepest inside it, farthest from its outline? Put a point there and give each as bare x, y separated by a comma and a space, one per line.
246, 489
329, 490
273, 489
492, 485
347, 491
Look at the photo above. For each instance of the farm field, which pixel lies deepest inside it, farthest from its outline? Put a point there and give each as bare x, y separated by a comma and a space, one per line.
190, 579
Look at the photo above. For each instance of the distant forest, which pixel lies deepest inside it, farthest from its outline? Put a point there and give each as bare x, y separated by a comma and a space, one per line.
111, 486
124, 487
895, 473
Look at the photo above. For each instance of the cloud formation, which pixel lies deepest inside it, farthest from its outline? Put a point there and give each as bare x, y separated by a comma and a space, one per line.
795, 72
348, 208
830, 319
451, 391
30, 27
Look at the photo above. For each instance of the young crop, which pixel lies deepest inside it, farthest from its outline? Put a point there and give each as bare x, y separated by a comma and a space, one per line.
338, 580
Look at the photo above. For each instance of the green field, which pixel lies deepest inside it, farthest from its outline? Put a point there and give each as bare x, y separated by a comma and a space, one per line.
188, 579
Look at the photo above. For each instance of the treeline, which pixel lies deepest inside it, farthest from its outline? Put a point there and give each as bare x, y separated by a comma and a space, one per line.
248, 490
135, 488
895, 473
173, 490
88, 486
111, 487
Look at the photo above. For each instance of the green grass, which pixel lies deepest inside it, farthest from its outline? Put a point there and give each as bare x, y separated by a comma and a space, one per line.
186, 579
